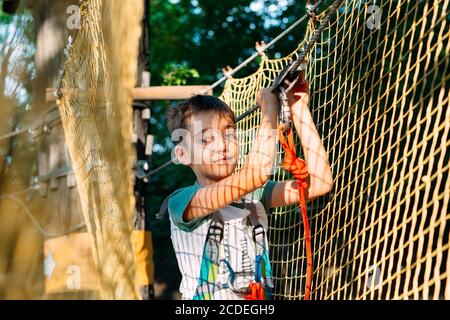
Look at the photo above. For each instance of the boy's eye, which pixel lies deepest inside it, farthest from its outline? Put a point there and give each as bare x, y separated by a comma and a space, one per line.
230, 135
206, 140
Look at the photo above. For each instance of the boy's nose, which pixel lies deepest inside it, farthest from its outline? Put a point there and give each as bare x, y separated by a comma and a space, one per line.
220, 144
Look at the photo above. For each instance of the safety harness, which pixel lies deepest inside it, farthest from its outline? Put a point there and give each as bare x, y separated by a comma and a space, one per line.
208, 279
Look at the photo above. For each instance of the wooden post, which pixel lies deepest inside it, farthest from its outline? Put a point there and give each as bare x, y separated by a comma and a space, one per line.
141, 236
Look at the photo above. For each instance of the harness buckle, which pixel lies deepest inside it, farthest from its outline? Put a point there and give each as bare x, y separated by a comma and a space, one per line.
215, 231
257, 231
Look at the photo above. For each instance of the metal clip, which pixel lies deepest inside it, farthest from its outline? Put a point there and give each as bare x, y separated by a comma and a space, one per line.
312, 10
215, 231
286, 115
258, 231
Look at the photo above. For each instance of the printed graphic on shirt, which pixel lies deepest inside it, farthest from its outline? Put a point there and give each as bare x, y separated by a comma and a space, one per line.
236, 253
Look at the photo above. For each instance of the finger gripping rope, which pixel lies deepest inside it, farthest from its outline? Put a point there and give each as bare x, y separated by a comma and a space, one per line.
297, 167
299, 170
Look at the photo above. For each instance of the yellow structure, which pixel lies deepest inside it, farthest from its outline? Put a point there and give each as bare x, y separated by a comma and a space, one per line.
96, 117
379, 87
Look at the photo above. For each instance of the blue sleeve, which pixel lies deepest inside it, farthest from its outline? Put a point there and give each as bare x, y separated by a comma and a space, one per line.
178, 202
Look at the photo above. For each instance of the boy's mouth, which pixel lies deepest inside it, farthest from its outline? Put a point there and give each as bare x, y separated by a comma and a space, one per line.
223, 160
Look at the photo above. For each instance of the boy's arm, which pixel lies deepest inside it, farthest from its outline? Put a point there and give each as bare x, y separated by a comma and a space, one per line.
254, 173
285, 193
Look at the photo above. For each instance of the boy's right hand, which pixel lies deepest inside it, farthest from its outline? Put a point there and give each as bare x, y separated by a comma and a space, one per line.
267, 100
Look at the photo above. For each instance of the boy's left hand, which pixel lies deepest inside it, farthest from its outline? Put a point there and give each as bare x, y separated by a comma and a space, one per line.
267, 101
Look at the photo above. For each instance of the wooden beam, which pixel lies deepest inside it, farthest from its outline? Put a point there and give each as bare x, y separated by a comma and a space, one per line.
154, 93
168, 92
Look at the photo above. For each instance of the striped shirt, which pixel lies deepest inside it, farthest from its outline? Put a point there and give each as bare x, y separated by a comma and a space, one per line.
237, 247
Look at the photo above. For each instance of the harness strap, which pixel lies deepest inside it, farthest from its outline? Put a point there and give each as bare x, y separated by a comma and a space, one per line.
162, 211
211, 253
262, 264
210, 260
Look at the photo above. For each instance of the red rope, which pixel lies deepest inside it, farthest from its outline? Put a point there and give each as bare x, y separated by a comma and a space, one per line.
299, 170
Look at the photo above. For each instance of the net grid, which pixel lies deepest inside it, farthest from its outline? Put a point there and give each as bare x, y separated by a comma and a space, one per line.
380, 99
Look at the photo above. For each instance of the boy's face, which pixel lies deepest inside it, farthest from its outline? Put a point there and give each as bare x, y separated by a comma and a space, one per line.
213, 146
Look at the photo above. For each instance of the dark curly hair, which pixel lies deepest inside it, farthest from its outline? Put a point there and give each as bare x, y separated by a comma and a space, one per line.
177, 116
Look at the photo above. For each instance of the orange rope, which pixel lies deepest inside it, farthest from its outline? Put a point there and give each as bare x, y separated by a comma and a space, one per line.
299, 170
256, 291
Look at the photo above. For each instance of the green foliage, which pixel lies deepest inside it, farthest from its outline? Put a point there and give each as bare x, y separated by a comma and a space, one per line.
175, 74
17, 56
4, 18
210, 35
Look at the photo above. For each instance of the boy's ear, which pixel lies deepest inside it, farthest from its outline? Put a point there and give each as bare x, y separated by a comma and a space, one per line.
182, 155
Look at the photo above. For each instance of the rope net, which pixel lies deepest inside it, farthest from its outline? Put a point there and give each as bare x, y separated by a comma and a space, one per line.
45, 207
379, 87
96, 114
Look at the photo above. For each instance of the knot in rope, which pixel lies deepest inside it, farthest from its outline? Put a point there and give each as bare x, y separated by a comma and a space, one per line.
299, 170
228, 72
297, 166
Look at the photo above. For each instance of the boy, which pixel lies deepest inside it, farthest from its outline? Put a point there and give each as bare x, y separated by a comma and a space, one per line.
219, 224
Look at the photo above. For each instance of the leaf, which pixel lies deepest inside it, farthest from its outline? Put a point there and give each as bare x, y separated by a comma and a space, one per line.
178, 74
